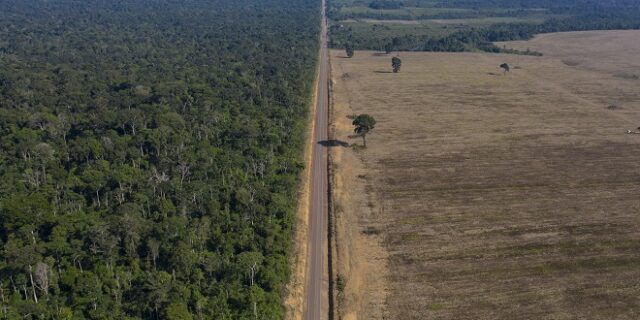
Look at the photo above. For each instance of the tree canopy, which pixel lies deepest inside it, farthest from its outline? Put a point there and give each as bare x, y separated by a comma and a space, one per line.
385, 4
396, 64
150, 153
349, 50
547, 16
364, 123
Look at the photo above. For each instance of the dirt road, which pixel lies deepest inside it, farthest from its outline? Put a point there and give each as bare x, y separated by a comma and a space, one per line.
319, 198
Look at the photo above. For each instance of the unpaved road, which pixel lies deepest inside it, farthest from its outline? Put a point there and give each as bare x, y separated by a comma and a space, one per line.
319, 192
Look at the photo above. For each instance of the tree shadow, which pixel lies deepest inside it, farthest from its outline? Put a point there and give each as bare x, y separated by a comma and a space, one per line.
333, 143
379, 54
380, 71
343, 57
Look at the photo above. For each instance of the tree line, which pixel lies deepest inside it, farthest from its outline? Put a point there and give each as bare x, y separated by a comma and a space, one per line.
149, 156
616, 16
339, 15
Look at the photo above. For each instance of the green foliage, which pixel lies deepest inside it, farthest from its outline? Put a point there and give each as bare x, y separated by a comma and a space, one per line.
477, 24
149, 155
340, 283
396, 64
178, 311
363, 123
349, 50
385, 4
388, 47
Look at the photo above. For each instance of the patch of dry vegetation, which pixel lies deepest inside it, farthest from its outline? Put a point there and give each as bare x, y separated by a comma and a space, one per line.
612, 52
484, 196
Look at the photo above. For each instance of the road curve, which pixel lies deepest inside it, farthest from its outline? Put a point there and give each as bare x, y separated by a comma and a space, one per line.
319, 192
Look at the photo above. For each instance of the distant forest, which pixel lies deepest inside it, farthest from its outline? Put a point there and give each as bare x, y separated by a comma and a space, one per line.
562, 15
150, 152
483, 38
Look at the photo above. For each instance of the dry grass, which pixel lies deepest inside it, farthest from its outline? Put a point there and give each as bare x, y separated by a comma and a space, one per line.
375, 21
361, 258
593, 50
492, 197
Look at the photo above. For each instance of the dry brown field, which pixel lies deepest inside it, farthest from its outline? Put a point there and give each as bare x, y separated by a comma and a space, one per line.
614, 52
490, 196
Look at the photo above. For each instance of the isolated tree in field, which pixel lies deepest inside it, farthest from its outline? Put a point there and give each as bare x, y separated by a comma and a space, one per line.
396, 63
388, 47
363, 124
505, 67
349, 49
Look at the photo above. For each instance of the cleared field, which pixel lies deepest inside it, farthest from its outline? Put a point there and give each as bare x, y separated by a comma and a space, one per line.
386, 29
593, 50
479, 22
408, 11
483, 22
485, 196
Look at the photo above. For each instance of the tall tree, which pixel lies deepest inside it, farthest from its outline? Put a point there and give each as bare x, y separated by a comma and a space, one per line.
388, 47
396, 63
364, 123
505, 67
350, 50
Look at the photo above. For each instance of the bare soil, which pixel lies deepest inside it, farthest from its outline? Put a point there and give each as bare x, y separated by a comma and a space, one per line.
491, 196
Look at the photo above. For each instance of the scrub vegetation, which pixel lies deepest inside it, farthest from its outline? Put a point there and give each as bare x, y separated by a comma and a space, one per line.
149, 156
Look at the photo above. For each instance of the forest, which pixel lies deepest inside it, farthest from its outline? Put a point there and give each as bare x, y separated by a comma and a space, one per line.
556, 16
150, 153
483, 38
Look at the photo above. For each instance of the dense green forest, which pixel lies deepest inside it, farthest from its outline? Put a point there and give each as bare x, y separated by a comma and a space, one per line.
149, 155
462, 34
